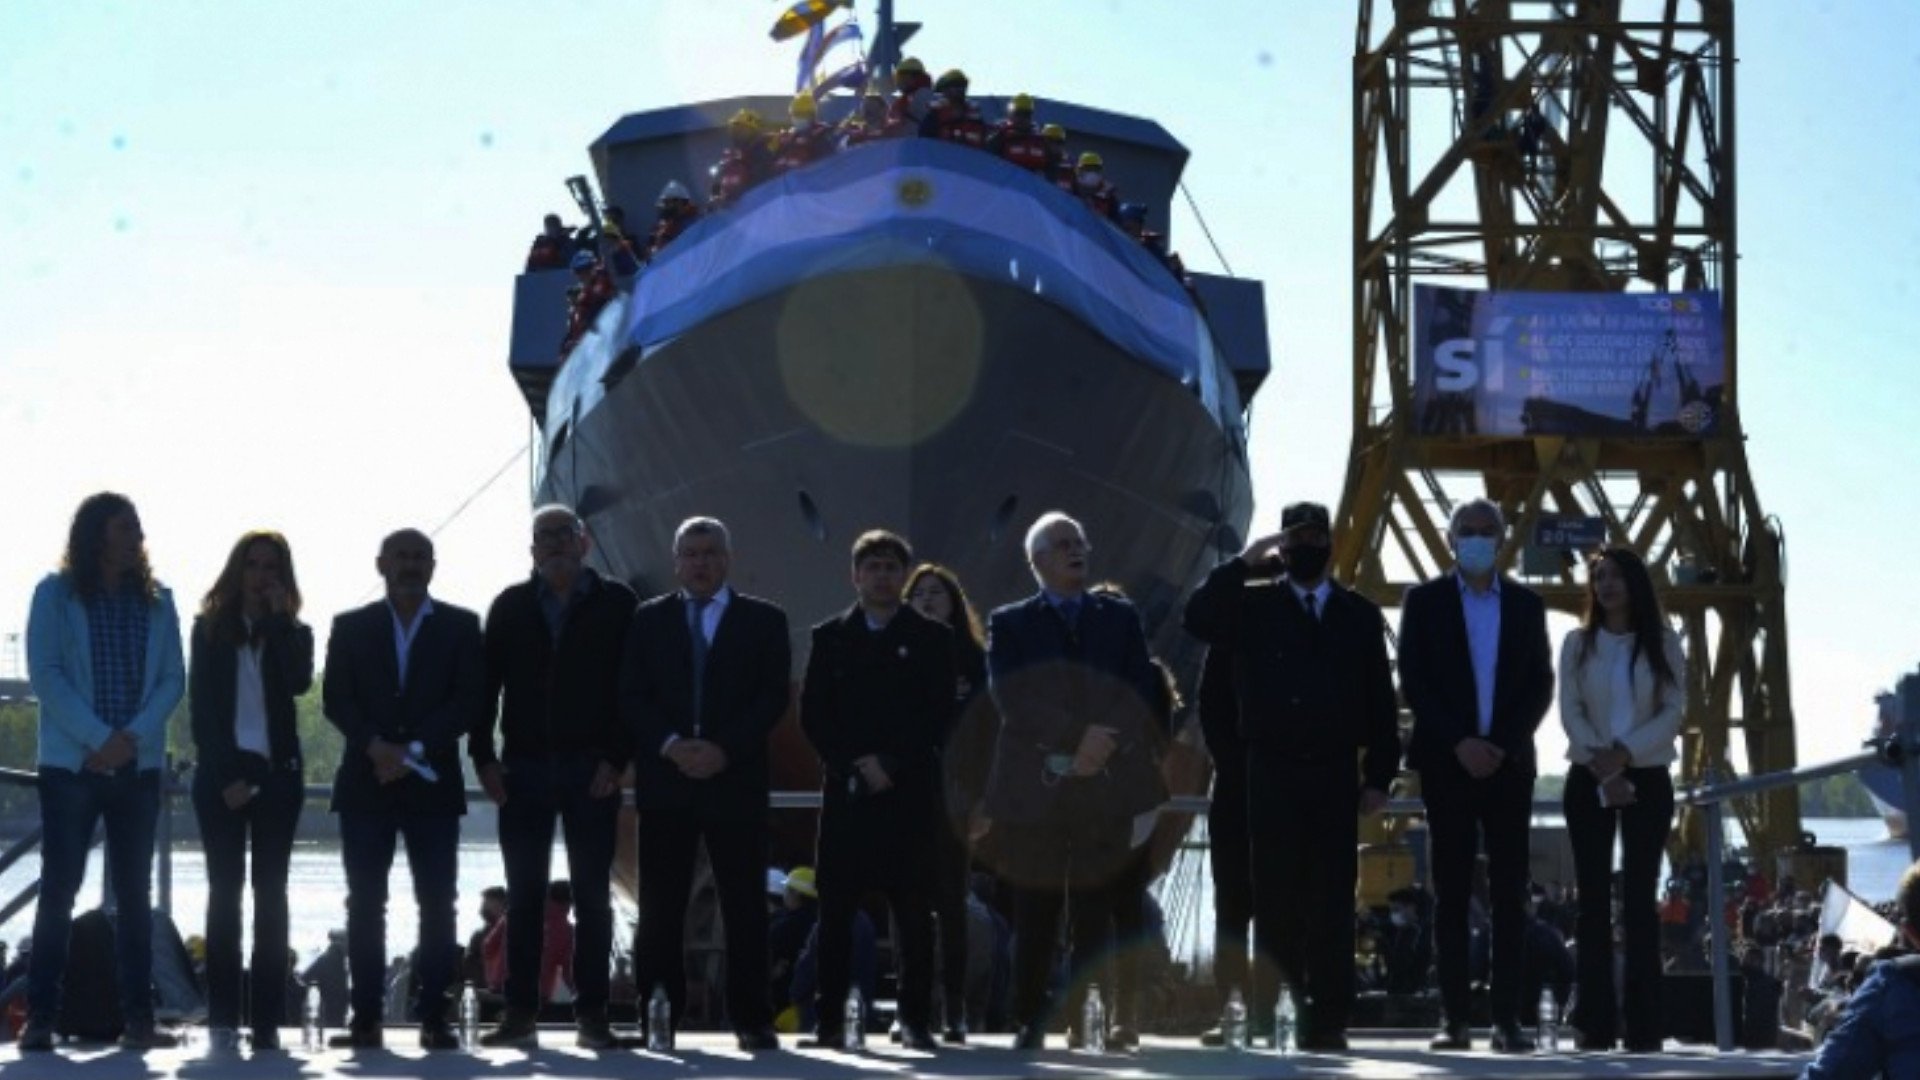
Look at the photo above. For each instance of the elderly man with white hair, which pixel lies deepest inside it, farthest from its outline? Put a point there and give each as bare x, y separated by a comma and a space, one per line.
1070, 673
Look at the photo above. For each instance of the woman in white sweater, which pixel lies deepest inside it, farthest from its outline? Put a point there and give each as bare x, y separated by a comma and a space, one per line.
1622, 696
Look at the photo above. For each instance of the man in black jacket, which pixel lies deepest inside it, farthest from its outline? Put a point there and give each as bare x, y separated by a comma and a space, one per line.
1477, 674
1315, 692
554, 644
706, 676
405, 679
878, 696
1073, 767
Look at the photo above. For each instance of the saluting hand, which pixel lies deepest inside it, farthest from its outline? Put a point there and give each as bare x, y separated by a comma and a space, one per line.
1263, 552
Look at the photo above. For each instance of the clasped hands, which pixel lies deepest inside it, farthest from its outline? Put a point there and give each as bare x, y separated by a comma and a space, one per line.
1609, 765
119, 749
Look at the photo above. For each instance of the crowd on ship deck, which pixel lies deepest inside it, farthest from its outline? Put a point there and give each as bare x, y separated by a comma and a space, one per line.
1033, 748
603, 256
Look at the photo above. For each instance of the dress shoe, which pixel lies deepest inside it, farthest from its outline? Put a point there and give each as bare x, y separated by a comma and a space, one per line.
1644, 1046
754, 1040
1032, 1037
956, 1034
1451, 1037
825, 1038
1325, 1042
516, 1029
1510, 1039
1213, 1037
265, 1040
37, 1036
1593, 1044
592, 1032
917, 1037
145, 1036
1122, 1037
371, 1037
436, 1035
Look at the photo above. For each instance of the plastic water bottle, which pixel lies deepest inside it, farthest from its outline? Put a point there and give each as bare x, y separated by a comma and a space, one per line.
1284, 1015
313, 1034
469, 1018
1233, 1021
659, 1021
854, 1035
1093, 1022
1549, 1021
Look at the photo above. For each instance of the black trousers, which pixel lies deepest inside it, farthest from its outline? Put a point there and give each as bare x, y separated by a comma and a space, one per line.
854, 862
737, 849
1643, 828
952, 866
540, 789
1303, 820
1076, 859
367, 842
270, 817
1462, 813
1230, 853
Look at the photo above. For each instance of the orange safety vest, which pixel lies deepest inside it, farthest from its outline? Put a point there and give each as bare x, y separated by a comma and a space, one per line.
1026, 148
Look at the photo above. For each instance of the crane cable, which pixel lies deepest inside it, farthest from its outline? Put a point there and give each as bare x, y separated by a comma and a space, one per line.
1211, 242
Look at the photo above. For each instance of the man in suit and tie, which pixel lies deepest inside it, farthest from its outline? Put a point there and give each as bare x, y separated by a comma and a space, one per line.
1476, 672
705, 677
1318, 721
878, 697
405, 680
1073, 765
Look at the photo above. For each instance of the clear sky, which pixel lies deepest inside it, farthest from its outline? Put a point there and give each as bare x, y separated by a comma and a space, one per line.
256, 261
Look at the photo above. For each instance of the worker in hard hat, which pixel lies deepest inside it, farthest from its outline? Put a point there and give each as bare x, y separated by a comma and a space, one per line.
677, 212
1056, 137
1091, 184
953, 117
909, 80
1133, 221
870, 123
806, 140
1017, 140
788, 928
593, 288
745, 162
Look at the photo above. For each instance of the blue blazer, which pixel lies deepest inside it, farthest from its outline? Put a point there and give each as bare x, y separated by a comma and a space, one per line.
1050, 685
60, 665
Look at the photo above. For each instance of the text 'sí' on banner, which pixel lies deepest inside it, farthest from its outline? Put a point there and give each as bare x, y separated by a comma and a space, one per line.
1616, 365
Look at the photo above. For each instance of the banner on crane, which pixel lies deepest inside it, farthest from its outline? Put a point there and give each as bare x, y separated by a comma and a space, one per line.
1608, 365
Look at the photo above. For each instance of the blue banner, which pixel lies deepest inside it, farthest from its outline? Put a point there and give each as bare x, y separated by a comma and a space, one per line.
1616, 365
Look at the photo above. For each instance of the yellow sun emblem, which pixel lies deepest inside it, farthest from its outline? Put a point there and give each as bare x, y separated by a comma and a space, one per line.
915, 192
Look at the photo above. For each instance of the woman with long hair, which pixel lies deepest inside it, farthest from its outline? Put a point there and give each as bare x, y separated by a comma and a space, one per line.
1622, 697
966, 754
103, 651
252, 657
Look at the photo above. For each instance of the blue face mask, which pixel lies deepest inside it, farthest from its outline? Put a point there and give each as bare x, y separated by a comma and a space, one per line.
1476, 554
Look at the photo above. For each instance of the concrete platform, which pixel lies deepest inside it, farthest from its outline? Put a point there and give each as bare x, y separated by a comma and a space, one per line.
713, 1057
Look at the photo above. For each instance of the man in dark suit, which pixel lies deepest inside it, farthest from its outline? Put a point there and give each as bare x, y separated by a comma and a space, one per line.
878, 697
1318, 719
404, 681
554, 644
1073, 766
706, 676
1477, 674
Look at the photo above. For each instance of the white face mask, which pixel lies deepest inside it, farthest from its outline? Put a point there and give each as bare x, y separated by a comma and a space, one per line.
1088, 178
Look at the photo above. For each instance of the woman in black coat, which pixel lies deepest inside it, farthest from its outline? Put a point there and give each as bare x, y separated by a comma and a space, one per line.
966, 756
252, 658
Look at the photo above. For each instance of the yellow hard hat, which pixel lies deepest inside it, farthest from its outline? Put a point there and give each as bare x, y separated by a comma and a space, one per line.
1022, 103
1054, 132
801, 881
744, 118
951, 77
911, 66
1091, 160
804, 107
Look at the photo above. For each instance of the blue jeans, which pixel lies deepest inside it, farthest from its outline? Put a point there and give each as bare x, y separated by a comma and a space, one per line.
367, 843
128, 801
539, 789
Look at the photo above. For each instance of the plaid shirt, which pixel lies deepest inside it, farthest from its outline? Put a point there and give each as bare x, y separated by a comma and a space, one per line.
117, 638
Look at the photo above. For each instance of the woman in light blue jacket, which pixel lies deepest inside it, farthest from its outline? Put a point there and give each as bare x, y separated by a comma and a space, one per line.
103, 652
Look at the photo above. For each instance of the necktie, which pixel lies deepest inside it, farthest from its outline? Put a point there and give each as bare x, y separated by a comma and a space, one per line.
1312, 602
697, 629
1070, 611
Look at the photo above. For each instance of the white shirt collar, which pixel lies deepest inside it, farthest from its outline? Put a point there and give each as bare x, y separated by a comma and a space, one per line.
1319, 593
